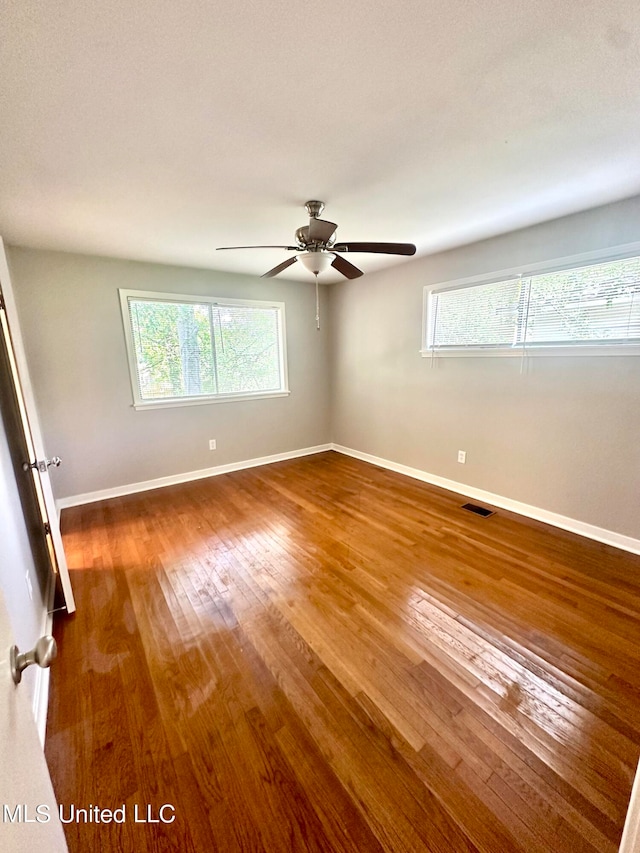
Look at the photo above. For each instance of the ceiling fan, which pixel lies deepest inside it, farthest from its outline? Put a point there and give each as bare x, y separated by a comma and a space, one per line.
317, 248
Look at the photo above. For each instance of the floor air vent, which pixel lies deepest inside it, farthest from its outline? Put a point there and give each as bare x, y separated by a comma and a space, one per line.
479, 510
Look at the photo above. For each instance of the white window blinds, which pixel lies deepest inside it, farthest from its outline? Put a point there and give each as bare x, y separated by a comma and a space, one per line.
598, 304
594, 304
476, 316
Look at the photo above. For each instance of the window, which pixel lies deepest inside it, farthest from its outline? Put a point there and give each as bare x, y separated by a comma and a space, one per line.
184, 350
591, 308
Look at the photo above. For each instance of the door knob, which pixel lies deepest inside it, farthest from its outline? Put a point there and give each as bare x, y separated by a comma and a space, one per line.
43, 464
43, 654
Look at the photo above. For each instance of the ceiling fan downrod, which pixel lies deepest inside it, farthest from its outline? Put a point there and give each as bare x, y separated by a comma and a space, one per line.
317, 249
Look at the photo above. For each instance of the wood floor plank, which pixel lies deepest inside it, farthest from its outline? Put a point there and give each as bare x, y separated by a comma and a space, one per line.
321, 655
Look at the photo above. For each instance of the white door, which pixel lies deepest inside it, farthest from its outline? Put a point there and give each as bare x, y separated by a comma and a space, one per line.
28, 812
630, 842
38, 473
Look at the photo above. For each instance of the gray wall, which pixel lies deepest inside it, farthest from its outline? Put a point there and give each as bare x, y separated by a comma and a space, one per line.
72, 327
564, 436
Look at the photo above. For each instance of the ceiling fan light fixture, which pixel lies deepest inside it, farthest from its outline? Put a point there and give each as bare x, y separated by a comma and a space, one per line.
318, 250
316, 262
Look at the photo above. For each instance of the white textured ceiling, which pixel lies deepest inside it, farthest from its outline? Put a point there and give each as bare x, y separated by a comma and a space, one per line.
160, 130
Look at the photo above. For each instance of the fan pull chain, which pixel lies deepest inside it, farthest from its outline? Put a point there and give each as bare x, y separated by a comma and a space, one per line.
317, 303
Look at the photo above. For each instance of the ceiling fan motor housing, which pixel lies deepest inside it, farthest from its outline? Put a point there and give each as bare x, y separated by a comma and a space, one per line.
317, 242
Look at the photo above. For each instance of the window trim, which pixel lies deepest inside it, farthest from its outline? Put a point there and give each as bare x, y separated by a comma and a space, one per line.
627, 250
174, 402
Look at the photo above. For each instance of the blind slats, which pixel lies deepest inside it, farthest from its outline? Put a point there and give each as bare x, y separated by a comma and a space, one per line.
596, 304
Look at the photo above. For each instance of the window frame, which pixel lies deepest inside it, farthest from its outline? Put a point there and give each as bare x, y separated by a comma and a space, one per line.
572, 348
201, 399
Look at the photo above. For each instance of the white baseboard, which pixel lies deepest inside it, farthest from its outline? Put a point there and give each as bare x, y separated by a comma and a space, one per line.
174, 479
590, 531
40, 704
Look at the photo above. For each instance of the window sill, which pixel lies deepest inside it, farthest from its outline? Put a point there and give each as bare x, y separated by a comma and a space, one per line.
533, 352
203, 401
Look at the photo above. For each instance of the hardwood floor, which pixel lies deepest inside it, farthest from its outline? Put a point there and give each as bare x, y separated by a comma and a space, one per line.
320, 655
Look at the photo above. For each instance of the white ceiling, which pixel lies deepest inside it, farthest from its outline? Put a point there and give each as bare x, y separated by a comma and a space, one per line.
159, 130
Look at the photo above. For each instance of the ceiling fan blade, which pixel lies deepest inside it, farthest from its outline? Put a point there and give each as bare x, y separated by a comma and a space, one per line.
279, 268
346, 267
379, 248
320, 230
289, 248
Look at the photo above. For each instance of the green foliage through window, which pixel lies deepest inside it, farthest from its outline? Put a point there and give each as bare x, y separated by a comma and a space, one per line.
588, 305
204, 348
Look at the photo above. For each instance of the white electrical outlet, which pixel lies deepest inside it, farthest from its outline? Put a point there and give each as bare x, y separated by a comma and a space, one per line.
462, 456
212, 444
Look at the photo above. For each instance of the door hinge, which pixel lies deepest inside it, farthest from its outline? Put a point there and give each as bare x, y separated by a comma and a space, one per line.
47, 528
2, 305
